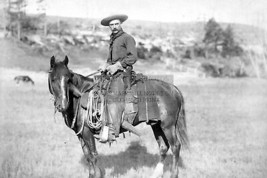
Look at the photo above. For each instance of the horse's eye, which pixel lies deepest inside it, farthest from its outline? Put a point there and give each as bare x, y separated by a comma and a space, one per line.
68, 80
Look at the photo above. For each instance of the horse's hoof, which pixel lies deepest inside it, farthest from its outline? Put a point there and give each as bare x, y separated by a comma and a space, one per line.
99, 173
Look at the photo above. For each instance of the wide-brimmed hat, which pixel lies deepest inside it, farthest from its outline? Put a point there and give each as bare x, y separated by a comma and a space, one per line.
121, 17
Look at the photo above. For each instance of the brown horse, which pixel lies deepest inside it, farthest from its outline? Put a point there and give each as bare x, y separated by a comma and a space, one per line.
169, 130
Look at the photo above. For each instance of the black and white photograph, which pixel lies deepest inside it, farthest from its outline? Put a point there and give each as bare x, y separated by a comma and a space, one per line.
133, 89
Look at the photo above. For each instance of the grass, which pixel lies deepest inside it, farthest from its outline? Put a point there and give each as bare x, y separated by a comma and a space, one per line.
227, 127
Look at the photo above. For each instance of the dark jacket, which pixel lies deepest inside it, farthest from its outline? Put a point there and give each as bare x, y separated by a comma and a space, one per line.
122, 49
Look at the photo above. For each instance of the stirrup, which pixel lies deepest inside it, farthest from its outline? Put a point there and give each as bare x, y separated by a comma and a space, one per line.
105, 135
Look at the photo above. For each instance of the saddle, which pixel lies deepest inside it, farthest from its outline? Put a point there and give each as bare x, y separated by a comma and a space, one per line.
145, 103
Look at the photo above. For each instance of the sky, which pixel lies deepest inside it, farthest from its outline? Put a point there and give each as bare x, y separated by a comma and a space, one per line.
253, 12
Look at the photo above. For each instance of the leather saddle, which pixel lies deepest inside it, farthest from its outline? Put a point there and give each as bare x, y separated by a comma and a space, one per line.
146, 105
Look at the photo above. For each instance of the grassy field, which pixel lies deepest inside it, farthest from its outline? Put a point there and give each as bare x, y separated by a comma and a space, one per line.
227, 127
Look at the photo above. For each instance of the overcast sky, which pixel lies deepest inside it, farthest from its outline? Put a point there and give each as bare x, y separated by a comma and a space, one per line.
239, 11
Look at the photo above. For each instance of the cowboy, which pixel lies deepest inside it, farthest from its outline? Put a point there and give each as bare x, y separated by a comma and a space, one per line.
122, 55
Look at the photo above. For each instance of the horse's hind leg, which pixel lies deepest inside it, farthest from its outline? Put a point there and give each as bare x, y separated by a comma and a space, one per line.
163, 148
171, 135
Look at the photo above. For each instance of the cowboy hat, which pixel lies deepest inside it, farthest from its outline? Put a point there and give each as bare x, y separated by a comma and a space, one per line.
121, 17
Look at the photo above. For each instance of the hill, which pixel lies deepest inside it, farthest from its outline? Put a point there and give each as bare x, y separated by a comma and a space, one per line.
246, 34
85, 41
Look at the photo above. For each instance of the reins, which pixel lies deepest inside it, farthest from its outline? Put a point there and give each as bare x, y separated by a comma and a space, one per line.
93, 73
75, 114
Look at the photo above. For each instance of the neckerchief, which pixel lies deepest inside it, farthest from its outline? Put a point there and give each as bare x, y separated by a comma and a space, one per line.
112, 39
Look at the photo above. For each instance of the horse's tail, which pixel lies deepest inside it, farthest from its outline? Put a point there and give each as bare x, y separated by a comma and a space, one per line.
181, 124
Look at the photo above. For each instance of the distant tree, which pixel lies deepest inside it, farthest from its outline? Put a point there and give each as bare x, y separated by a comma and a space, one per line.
60, 27
19, 21
213, 35
230, 46
141, 51
156, 49
199, 50
155, 52
41, 8
16, 12
188, 54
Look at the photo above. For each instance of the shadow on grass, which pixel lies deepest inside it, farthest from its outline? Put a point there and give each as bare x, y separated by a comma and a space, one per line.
135, 156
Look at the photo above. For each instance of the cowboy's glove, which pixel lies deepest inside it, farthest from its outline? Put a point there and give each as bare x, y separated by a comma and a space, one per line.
103, 67
112, 69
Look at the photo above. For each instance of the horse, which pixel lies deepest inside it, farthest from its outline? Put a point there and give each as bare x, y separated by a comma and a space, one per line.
170, 130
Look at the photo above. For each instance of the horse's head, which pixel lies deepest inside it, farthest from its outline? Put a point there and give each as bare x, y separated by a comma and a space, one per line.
60, 83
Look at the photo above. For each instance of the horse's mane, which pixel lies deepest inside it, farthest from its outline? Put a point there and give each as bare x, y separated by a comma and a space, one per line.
81, 81
158, 80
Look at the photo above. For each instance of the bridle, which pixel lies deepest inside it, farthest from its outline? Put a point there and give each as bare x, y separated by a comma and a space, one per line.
72, 88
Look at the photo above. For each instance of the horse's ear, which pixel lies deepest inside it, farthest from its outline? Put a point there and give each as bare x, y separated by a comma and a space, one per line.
52, 62
66, 60
49, 85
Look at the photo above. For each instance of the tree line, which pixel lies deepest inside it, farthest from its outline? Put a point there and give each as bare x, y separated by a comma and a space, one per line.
220, 41
19, 22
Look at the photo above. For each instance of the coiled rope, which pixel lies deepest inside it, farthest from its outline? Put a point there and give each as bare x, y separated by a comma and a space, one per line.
93, 119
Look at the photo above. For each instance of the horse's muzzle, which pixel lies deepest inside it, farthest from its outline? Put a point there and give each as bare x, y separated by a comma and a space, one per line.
61, 106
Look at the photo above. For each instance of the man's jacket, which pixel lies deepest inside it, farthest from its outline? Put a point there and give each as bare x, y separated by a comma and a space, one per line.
122, 48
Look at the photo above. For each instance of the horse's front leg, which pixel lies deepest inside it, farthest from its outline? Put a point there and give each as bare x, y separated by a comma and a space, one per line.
89, 149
